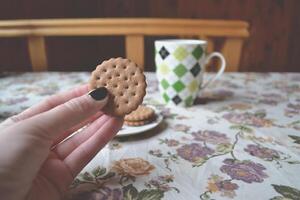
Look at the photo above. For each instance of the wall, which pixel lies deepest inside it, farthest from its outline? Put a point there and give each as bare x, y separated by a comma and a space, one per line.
274, 44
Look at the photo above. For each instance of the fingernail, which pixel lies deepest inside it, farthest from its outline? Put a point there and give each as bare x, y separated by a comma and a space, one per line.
99, 93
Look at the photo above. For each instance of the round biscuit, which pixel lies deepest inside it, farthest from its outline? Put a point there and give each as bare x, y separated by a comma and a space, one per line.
141, 113
125, 83
137, 123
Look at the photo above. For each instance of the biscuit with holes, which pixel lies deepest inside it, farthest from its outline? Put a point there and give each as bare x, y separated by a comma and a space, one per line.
140, 114
137, 123
125, 83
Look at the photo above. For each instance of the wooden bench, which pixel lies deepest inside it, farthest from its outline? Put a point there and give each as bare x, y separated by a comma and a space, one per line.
134, 29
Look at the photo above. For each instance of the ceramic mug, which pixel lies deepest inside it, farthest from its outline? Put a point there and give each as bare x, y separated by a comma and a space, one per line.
180, 66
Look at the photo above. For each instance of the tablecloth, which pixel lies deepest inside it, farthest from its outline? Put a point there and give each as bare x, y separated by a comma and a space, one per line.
241, 140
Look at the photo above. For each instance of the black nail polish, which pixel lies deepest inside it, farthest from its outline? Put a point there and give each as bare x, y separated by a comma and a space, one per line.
99, 93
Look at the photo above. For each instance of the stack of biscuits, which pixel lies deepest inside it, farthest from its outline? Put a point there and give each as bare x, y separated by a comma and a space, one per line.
141, 116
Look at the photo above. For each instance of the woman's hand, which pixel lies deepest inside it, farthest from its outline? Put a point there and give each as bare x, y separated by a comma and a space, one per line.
34, 162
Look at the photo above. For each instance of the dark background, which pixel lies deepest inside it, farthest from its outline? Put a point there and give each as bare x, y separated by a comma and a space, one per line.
274, 43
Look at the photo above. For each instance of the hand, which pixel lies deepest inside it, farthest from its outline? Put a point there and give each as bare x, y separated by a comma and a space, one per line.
35, 160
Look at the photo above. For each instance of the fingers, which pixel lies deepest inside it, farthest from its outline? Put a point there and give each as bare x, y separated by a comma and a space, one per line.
52, 123
65, 148
65, 134
51, 102
6, 123
84, 152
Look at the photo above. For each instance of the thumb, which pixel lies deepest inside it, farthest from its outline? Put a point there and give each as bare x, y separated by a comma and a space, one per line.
55, 121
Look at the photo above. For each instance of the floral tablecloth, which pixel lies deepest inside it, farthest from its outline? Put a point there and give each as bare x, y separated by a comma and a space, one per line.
241, 140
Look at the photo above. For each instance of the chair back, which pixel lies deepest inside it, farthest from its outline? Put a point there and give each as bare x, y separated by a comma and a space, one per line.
233, 33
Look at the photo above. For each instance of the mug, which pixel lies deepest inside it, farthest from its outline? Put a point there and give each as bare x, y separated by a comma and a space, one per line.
180, 66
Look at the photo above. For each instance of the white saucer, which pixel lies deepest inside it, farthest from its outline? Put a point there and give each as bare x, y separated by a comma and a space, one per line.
132, 130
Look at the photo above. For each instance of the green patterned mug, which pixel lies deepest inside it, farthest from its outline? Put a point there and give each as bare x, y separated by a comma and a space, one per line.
180, 65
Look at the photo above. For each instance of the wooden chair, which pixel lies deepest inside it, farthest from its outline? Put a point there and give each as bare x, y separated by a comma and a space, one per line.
134, 29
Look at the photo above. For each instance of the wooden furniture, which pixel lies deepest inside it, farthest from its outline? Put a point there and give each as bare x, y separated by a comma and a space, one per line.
134, 30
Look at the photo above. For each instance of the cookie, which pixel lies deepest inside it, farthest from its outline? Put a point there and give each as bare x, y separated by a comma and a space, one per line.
141, 113
125, 83
137, 123
139, 117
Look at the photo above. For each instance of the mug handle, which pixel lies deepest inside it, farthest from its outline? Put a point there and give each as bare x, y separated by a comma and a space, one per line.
220, 71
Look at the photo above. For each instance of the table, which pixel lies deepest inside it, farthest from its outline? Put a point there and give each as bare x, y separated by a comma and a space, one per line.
240, 141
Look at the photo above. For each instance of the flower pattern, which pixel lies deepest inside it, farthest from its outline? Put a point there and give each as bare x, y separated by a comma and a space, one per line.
181, 127
170, 142
13, 101
246, 170
240, 106
248, 119
211, 136
292, 109
132, 167
193, 152
219, 94
93, 186
161, 183
262, 152
217, 183
241, 134
271, 99
104, 193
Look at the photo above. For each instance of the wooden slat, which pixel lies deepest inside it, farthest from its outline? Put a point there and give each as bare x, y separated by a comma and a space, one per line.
210, 43
37, 53
128, 21
135, 49
232, 52
122, 30
77, 27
